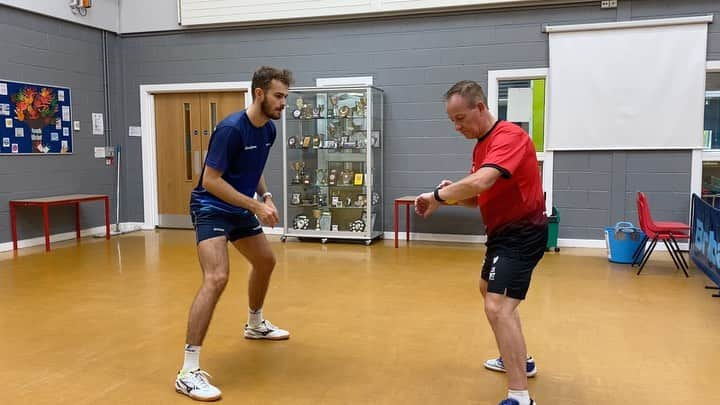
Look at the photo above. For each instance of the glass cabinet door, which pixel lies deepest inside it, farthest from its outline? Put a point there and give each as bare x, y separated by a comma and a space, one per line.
330, 163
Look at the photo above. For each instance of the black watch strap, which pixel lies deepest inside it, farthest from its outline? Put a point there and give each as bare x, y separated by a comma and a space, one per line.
436, 193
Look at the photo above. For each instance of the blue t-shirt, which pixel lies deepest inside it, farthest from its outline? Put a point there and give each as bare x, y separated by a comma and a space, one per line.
239, 150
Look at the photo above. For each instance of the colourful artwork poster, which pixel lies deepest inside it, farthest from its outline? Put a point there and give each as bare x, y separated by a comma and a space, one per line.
33, 116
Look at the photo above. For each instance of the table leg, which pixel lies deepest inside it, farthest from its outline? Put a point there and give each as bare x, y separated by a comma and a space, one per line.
107, 218
46, 226
395, 224
77, 220
407, 222
13, 226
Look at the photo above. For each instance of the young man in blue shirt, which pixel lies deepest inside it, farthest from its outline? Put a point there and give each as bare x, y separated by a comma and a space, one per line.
223, 208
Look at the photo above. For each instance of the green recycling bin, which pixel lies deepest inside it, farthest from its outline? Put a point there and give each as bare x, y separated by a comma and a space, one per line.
553, 228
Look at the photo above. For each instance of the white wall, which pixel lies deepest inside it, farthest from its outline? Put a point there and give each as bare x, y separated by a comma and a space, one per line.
208, 12
103, 14
148, 15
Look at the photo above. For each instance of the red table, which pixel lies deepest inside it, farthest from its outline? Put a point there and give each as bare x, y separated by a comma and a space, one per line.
46, 202
407, 201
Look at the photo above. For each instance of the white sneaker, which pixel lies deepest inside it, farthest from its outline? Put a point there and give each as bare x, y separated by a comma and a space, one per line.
266, 330
195, 384
498, 365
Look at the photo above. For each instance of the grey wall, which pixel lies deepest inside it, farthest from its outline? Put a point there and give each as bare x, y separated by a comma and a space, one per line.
413, 59
593, 190
39, 49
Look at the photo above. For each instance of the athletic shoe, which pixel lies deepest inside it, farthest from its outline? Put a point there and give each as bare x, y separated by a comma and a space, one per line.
195, 384
498, 365
511, 401
266, 330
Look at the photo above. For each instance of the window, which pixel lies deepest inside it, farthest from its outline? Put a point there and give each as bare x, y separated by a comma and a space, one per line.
523, 103
711, 127
518, 96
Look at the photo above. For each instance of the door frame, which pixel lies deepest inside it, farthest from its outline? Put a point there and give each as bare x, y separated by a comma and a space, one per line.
148, 141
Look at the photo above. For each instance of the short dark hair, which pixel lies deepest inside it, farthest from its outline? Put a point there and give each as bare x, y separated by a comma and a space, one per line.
469, 90
266, 74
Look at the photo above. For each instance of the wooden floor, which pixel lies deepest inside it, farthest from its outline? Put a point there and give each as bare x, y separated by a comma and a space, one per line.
103, 322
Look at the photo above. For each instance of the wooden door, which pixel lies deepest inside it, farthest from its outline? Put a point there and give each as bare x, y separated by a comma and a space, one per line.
215, 107
183, 125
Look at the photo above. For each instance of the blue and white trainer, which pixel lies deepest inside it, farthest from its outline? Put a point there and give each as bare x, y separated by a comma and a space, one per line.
511, 401
266, 330
196, 385
498, 365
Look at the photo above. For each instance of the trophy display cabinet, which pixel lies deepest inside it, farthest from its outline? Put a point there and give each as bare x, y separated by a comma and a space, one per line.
332, 153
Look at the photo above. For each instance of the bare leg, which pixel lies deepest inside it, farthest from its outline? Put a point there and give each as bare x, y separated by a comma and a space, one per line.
215, 267
257, 251
504, 317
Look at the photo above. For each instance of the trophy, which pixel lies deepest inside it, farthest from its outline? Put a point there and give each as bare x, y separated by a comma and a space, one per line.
316, 214
317, 111
344, 112
299, 167
332, 108
325, 221
346, 176
320, 177
360, 107
298, 111
307, 111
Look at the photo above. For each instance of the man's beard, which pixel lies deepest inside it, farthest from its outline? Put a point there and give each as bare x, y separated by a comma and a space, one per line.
268, 111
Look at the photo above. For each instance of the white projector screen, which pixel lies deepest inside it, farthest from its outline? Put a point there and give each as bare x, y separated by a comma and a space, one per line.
627, 87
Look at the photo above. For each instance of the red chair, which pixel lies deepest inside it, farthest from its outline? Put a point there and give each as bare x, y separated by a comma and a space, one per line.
668, 232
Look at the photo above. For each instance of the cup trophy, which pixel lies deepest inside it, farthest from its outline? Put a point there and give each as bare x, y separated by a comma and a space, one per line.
299, 167
332, 108
360, 107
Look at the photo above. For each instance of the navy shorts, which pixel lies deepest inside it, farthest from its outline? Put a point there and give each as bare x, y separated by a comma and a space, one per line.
209, 224
511, 258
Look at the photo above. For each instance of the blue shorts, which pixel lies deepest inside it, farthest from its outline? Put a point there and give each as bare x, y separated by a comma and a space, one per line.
209, 224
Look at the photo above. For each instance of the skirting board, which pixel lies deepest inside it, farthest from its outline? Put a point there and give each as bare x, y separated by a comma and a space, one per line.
23, 243
430, 237
440, 237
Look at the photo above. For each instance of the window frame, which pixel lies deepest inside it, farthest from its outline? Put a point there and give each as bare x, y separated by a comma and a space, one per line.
545, 157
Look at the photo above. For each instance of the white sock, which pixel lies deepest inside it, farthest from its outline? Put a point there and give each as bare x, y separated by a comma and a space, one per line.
192, 358
255, 318
523, 397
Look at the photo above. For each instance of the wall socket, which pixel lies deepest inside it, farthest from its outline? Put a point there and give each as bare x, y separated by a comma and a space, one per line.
608, 4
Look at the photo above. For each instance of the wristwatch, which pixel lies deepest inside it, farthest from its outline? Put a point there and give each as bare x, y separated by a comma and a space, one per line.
266, 195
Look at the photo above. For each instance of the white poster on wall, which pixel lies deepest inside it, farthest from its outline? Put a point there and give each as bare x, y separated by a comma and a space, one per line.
98, 128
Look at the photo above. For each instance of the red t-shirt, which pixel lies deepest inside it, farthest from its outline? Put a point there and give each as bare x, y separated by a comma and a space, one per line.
517, 196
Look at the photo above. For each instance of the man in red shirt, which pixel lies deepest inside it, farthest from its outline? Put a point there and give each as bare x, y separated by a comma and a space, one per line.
505, 183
